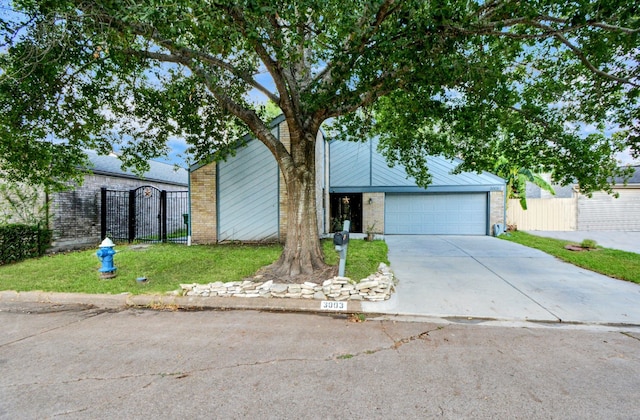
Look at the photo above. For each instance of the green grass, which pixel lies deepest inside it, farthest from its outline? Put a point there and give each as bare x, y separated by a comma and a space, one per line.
611, 262
166, 266
363, 257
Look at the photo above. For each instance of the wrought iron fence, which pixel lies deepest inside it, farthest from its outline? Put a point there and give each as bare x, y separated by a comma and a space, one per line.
145, 214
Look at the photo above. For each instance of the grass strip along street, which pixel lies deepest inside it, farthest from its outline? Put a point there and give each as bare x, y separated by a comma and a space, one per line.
167, 265
621, 265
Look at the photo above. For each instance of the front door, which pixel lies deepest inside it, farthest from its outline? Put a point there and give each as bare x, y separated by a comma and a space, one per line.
346, 206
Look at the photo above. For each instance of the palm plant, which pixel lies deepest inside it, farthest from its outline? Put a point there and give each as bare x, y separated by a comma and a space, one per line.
517, 178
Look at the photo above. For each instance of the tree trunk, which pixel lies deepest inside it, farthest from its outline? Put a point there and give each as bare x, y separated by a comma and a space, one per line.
302, 253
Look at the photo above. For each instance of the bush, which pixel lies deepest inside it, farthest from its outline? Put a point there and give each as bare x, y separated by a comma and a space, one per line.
589, 244
19, 242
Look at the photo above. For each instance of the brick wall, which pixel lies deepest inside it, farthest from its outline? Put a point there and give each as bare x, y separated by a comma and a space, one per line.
75, 214
285, 139
204, 219
496, 203
373, 214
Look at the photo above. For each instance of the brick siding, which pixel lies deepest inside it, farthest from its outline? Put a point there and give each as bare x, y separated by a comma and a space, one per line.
283, 194
204, 218
496, 203
373, 214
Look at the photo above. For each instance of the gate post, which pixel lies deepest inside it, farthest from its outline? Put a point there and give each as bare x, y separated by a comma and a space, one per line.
132, 215
103, 213
163, 215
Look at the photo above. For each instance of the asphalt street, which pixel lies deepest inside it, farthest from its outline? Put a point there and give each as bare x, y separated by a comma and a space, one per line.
77, 362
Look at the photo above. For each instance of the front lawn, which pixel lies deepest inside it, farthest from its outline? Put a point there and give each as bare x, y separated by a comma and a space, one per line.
166, 266
363, 257
611, 262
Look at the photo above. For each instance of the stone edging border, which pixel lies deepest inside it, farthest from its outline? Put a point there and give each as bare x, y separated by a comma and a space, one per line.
375, 288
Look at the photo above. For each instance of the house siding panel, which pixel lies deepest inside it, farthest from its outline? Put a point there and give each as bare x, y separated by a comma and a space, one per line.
359, 165
350, 164
320, 167
248, 195
605, 212
383, 175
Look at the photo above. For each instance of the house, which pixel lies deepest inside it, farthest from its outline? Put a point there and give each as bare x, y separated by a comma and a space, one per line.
602, 211
570, 210
75, 216
391, 203
241, 198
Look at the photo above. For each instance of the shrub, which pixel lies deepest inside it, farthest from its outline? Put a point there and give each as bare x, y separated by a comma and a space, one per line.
19, 242
589, 244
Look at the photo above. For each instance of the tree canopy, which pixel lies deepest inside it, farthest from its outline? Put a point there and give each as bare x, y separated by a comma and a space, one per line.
454, 77
551, 83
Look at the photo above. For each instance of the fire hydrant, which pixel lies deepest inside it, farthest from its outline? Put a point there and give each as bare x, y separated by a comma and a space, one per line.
105, 255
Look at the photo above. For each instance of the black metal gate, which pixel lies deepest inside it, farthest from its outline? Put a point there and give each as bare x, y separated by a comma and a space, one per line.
145, 214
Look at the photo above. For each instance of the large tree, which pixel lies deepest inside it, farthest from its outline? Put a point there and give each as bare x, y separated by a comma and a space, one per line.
444, 77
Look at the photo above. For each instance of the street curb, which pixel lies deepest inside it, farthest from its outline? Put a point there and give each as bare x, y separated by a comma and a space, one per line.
126, 300
158, 302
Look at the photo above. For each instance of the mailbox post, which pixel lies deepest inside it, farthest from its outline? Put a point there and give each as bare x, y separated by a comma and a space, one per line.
341, 241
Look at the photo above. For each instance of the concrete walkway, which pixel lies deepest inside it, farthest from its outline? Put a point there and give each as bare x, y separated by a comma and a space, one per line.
625, 241
485, 277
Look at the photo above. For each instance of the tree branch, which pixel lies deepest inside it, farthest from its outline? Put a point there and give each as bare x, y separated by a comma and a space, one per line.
247, 116
221, 64
580, 54
153, 34
384, 11
273, 67
492, 28
369, 95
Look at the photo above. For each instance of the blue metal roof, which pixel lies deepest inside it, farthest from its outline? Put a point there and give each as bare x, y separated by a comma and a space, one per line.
359, 167
634, 179
158, 171
274, 126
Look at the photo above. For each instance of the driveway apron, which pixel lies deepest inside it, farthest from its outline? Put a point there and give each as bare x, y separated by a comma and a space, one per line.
486, 277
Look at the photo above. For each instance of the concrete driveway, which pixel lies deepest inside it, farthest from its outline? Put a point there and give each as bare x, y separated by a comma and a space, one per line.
486, 277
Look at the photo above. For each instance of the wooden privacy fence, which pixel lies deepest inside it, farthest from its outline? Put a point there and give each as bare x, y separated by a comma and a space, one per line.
544, 214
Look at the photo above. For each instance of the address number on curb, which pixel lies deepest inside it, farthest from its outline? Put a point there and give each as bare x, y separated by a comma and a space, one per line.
329, 305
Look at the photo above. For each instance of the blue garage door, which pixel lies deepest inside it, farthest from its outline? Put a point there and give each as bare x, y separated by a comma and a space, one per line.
436, 214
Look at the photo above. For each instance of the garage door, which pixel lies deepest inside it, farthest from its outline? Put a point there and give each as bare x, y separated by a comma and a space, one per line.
436, 214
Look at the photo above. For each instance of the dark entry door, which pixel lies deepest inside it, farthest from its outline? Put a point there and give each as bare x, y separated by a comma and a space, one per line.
346, 206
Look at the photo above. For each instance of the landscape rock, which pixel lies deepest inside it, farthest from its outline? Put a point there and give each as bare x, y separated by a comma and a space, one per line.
375, 288
279, 288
